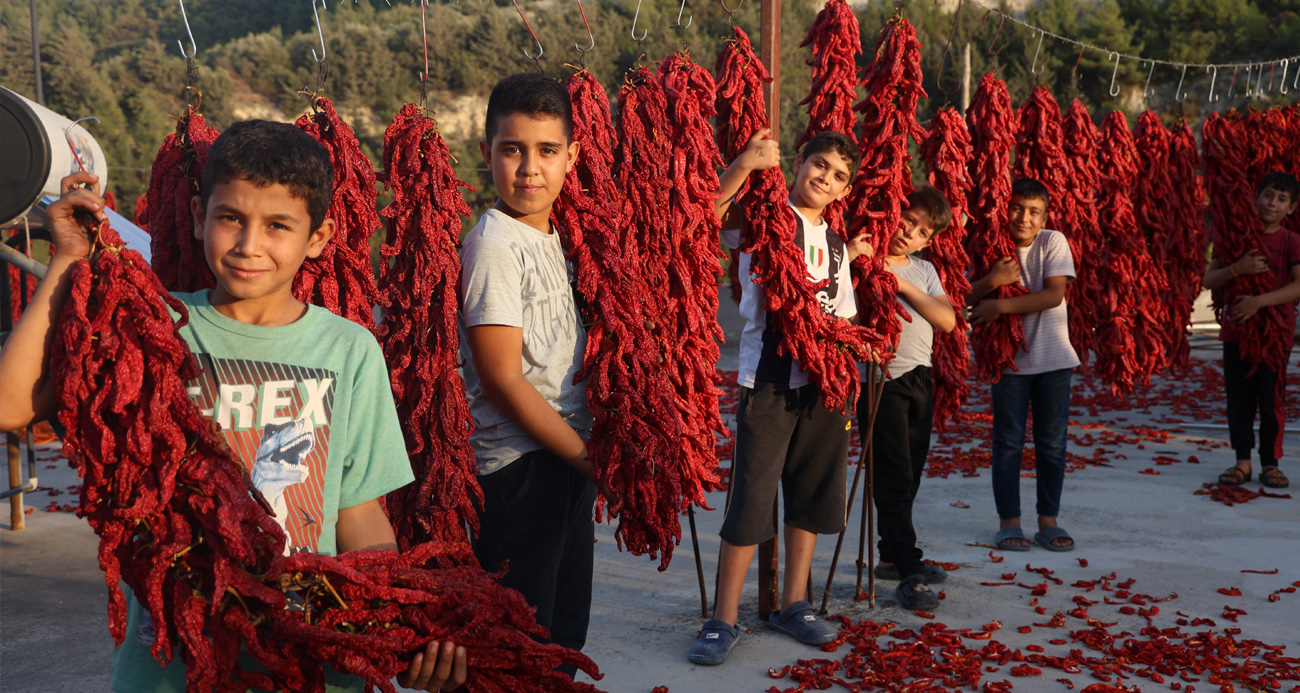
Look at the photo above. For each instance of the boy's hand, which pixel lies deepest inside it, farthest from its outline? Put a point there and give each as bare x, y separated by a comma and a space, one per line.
66, 226
1245, 308
986, 312
1253, 262
860, 247
760, 154
441, 667
1005, 271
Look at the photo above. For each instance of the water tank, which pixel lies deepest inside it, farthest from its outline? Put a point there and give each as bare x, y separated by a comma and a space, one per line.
36, 153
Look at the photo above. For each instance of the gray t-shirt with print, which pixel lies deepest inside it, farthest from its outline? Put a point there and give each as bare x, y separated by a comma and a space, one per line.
916, 341
514, 275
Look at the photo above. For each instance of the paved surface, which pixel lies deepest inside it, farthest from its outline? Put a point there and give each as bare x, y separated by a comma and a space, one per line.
1143, 526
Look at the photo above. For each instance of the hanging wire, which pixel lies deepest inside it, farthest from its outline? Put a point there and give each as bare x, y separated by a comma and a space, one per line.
938, 80
537, 59
582, 52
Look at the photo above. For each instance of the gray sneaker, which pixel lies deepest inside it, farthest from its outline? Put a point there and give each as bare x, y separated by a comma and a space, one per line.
716, 641
934, 574
800, 623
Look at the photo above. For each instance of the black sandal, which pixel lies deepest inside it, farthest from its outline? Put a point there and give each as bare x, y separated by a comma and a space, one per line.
1234, 476
1273, 477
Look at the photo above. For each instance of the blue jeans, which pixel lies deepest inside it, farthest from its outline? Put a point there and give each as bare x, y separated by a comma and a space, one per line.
1049, 394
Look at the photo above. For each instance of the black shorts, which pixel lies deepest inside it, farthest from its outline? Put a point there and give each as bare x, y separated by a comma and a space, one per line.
788, 437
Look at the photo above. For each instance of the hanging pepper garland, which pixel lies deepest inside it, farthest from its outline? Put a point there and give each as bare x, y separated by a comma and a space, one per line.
892, 83
992, 128
633, 441
947, 154
836, 41
1080, 144
419, 333
1128, 336
825, 345
176, 255
341, 278
1237, 230
1183, 245
181, 524
1153, 195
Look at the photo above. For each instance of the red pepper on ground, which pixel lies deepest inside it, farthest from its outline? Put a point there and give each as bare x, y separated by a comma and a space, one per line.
420, 336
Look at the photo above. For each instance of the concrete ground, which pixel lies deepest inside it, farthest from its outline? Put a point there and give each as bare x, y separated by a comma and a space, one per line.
1128, 502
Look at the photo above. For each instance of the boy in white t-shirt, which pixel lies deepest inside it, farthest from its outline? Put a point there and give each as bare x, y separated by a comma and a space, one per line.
784, 432
901, 434
1041, 377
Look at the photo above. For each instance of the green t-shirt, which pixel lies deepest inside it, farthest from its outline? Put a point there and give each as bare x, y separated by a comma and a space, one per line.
308, 408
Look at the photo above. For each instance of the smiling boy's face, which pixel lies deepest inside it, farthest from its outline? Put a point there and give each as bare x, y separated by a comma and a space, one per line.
1026, 216
529, 158
820, 179
1273, 206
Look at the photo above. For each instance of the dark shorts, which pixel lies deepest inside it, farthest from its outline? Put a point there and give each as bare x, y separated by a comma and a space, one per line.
787, 438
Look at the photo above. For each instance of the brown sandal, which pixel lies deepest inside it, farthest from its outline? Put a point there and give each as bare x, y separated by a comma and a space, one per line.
1273, 477
1234, 476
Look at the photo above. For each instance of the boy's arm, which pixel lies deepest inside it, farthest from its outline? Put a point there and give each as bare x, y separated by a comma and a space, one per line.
497, 351
1220, 275
938, 312
26, 389
1005, 271
1050, 296
363, 527
760, 154
1245, 307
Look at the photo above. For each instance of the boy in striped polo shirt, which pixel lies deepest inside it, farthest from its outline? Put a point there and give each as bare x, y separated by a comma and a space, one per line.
1041, 377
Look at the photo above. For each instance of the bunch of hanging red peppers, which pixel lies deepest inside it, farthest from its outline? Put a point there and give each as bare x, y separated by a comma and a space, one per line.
176, 255
836, 41
1080, 137
1181, 249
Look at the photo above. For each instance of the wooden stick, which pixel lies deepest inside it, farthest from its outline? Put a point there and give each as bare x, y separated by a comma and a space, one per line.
699, 564
839, 543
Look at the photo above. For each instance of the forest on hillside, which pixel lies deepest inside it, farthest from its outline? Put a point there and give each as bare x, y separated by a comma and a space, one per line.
118, 59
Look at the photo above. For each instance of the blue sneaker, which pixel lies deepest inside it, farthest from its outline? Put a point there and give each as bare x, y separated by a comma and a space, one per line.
800, 623
717, 640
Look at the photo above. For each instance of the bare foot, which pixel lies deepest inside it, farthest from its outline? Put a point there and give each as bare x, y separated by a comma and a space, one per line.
1014, 541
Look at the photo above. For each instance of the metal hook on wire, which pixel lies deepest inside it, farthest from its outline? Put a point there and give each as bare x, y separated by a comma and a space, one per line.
1281, 87
1033, 68
194, 49
1147, 93
1259, 82
1232, 83
1179, 94
1002, 19
644, 32
535, 58
1214, 74
944, 60
1074, 78
731, 11
320, 34
1114, 88
67, 134
689, 20
583, 51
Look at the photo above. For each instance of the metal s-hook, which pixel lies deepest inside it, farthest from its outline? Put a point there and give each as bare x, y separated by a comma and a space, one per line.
540, 50
1179, 94
635, 17
1002, 19
320, 34
1146, 88
1259, 82
1214, 75
731, 11
944, 60
194, 49
1032, 68
1114, 88
1281, 87
583, 51
689, 20
1232, 83
1074, 78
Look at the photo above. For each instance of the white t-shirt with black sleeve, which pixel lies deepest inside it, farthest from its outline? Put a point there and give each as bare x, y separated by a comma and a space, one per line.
514, 275
916, 341
1047, 333
826, 258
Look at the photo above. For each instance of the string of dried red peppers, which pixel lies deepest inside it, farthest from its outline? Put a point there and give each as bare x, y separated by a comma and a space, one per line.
419, 335
341, 278
824, 344
992, 128
175, 254
1181, 250
1161, 337
1080, 137
947, 154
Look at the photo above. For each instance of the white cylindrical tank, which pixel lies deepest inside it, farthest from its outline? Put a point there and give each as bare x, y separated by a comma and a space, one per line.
36, 151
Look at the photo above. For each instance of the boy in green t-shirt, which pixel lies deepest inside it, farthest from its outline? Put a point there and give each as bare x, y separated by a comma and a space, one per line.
301, 394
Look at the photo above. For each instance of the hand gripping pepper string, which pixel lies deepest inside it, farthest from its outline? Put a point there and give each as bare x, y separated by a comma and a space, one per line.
180, 523
1080, 137
1183, 246
340, 279
1127, 321
892, 83
419, 334
947, 155
993, 134
824, 344
176, 255
836, 41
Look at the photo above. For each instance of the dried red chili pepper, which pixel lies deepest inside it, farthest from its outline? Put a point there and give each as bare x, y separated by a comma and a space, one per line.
1180, 249
993, 134
419, 334
340, 279
175, 254
1080, 137
836, 41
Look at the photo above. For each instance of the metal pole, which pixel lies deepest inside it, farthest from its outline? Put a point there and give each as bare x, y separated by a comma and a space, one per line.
17, 518
36, 54
12, 256
965, 80
699, 564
